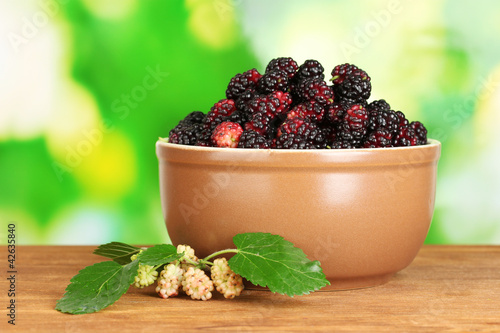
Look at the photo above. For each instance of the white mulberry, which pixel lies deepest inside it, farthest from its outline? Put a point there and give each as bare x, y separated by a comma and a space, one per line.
197, 284
146, 276
169, 281
188, 253
225, 280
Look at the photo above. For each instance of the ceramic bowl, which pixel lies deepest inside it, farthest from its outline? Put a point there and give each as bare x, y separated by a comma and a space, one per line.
363, 213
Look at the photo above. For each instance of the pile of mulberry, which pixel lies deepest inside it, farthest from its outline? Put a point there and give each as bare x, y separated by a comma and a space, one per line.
338, 108
186, 275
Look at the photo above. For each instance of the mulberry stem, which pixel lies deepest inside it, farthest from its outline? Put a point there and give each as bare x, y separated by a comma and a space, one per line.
215, 254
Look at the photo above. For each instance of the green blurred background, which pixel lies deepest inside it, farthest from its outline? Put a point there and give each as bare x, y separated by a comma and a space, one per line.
88, 86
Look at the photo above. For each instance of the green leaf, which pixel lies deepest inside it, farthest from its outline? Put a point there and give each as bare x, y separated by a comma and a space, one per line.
119, 252
270, 260
159, 254
96, 287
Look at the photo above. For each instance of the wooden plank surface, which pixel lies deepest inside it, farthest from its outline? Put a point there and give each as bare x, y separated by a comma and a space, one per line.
446, 288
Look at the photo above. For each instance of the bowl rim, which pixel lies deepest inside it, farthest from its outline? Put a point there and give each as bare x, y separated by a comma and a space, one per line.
293, 158
431, 143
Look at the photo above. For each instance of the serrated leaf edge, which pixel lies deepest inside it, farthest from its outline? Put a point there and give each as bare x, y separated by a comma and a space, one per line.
95, 309
290, 268
279, 238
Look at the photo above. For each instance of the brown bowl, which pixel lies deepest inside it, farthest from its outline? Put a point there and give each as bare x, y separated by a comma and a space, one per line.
364, 213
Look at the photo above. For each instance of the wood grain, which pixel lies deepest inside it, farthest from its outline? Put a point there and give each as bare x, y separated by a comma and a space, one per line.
446, 288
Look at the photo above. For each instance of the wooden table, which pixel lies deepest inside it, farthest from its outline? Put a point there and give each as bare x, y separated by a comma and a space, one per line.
446, 288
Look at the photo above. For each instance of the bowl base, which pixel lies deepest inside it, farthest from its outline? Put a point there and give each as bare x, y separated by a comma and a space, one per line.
343, 284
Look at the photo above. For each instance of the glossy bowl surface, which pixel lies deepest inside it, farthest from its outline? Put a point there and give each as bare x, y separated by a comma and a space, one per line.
364, 213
